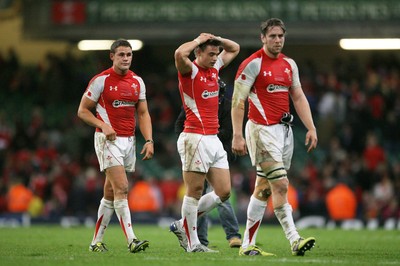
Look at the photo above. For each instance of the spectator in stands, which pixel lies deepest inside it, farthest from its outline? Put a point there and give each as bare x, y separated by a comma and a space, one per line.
341, 202
18, 197
144, 197
373, 153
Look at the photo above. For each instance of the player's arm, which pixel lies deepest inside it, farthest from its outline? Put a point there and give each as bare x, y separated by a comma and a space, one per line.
85, 113
146, 129
303, 110
182, 61
230, 50
240, 94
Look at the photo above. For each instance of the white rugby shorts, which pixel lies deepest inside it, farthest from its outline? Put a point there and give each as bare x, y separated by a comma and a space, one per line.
201, 152
120, 152
269, 143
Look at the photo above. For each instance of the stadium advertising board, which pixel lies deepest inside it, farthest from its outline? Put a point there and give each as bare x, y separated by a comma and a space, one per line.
152, 19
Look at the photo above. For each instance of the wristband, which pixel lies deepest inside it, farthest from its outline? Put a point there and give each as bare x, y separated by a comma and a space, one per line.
197, 41
149, 141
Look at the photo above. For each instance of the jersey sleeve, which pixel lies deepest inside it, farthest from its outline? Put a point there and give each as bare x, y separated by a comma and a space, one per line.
219, 64
142, 95
95, 88
248, 71
295, 73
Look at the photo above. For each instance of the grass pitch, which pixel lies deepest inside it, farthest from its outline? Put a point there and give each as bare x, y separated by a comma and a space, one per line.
53, 245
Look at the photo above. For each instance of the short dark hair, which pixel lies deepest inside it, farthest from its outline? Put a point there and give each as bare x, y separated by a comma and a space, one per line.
118, 43
211, 42
272, 22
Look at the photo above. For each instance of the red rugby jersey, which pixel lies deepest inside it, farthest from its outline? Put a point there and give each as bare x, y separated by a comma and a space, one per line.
199, 92
270, 80
116, 97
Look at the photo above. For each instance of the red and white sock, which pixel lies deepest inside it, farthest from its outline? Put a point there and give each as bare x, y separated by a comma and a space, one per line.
189, 220
104, 215
208, 202
255, 214
124, 217
285, 218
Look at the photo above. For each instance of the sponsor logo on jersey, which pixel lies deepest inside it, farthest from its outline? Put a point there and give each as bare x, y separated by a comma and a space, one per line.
209, 94
119, 103
269, 73
276, 88
115, 88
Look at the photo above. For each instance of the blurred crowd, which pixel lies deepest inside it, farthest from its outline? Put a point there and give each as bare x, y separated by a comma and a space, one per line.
48, 166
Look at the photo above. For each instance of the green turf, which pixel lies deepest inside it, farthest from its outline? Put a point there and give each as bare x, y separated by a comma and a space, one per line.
53, 245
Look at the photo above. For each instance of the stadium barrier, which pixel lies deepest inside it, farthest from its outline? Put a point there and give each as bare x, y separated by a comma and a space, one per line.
13, 220
351, 224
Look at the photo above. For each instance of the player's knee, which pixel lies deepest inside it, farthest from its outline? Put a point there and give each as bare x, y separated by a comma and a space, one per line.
266, 193
121, 191
275, 172
262, 192
194, 191
281, 186
108, 193
225, 196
